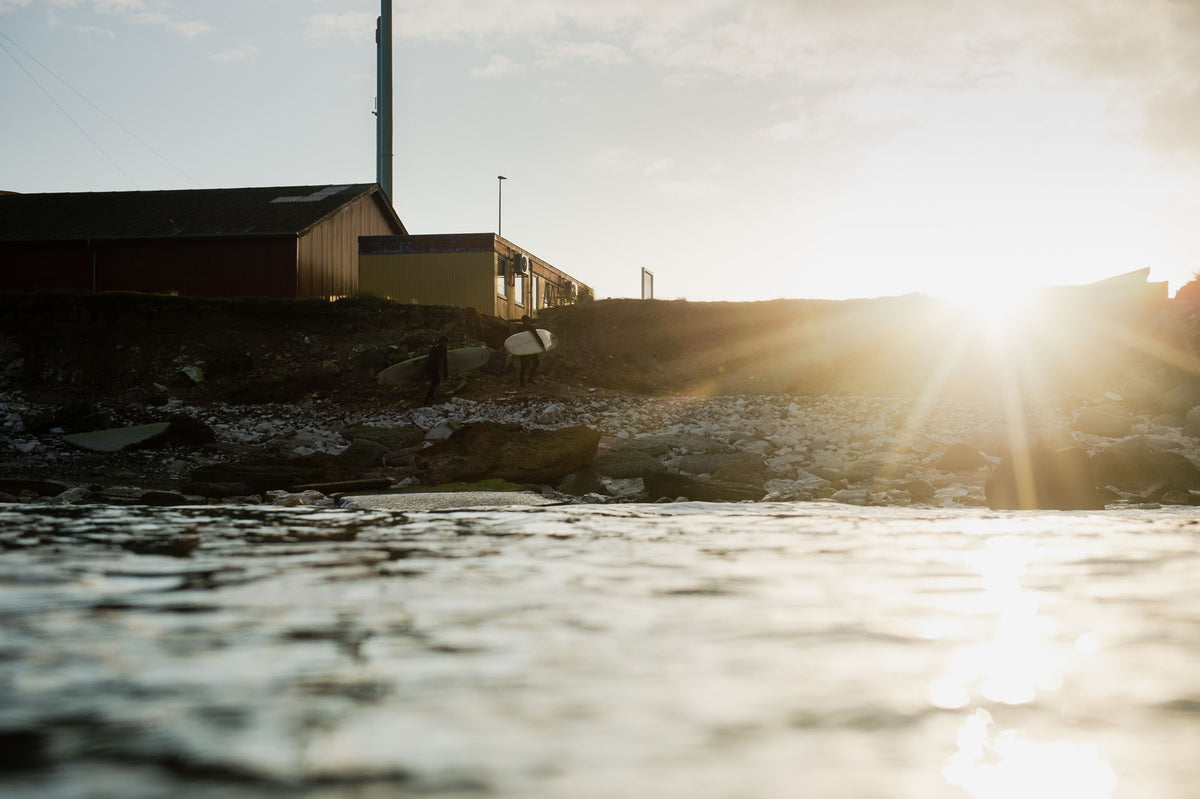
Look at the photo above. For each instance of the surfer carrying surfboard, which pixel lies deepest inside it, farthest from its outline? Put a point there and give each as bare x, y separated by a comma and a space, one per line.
530, 362
437, 366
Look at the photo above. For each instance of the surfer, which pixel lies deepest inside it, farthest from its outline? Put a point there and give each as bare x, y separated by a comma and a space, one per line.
437, 366
530, 362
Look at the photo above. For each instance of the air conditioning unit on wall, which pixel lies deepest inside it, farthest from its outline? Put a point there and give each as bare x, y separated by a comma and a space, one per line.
520, 263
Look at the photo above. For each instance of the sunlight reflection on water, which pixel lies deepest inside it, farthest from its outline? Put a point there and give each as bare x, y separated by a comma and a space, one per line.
1011, 668
687, 651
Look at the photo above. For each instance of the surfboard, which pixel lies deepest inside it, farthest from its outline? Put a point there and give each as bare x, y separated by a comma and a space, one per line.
523, 344
460, 360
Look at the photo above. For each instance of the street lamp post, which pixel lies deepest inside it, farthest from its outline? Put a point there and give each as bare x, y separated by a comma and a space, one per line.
499, 201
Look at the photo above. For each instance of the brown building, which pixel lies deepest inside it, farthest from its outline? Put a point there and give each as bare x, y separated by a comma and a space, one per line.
295, 241
476, 270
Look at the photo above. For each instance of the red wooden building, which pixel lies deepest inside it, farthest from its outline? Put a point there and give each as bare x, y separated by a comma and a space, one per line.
295, 241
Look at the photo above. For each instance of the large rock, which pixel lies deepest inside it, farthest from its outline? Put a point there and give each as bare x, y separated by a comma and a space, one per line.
628, 462
664, 443
1141, 467
672, 485
259, 474
1191, 424
1042, 477
509, 452
960, 457
733, 462
1111, 421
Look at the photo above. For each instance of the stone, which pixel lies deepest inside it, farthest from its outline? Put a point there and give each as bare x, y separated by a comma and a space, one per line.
624, 463
394, 438
1182, 397
852, 496
582, 483
37, 488
1045, 478
673, 484
662, 444
1141, 468
481, 450
1191, 424
960, 457
1111, 421
919, 490
710, 463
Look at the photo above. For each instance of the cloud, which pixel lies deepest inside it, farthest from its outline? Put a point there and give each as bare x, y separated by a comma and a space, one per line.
594, 52
10, 6
348, 26
497, 67
91, 30
144, 12
237, 55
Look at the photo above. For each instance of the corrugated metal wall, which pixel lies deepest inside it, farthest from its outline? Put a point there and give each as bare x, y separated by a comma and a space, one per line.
467, 279
327, 255
198, 267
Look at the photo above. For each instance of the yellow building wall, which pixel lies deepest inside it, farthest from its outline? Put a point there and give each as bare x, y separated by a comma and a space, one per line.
467, 279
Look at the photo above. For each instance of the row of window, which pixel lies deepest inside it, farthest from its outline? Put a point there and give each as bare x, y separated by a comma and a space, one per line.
518, 286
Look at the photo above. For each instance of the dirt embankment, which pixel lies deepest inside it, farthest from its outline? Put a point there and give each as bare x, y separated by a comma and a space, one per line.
59, 348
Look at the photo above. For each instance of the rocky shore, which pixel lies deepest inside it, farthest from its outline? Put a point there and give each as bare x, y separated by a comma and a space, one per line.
856, 450
127, 399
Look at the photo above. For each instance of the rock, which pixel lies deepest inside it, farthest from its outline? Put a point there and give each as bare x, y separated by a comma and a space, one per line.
118, 438
960, 457
582, 483
657, 445
394, 438
186, 430
487, 449
37, 488
1044, 478
1111, 421
852, 496
1191, 424
361, 456
166, 499
1182, 397
710, 463
748, 470
1141, 467
672, 484
624, 463
919, 490
342, 486
1143, 392
178, 429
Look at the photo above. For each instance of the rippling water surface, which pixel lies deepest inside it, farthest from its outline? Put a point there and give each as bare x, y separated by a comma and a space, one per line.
689, 650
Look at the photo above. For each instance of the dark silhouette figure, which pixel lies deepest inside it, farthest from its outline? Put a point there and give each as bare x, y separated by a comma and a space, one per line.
529, 363
437, 366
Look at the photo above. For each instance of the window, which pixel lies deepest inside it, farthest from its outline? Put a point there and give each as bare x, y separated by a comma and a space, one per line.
537, 292
501, 290
519, 288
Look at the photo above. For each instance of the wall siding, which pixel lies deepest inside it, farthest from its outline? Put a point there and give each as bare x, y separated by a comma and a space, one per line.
467, 279
327, 255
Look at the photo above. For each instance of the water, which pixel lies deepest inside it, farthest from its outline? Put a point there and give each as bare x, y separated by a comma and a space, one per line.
699, 651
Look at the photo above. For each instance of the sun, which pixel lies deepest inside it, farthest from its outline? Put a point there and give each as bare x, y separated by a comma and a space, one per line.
996, 308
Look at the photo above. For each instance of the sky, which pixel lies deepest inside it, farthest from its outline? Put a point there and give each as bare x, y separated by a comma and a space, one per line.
737, 149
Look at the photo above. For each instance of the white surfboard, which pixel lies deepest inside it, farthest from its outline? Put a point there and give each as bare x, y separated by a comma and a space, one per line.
523, 343
460, 360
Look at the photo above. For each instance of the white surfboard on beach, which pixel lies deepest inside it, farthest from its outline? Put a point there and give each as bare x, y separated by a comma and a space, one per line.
523, 343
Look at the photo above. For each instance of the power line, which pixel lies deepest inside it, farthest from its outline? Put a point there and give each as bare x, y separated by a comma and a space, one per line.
68, 116
106, 115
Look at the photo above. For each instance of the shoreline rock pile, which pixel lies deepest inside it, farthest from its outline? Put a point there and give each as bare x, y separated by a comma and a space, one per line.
847, 449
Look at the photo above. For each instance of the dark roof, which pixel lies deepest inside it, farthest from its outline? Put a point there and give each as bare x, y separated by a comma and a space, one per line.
189, 213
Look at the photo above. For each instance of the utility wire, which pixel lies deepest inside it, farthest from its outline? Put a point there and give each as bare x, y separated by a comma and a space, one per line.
68, 116
106, 115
